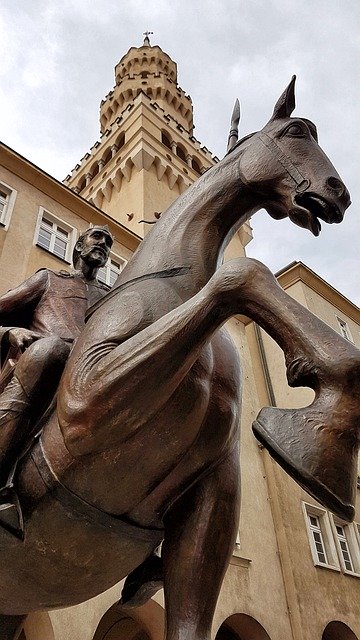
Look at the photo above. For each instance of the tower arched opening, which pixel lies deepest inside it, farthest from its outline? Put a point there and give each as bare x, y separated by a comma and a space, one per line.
106, 156
81, 184
94, 169
165, 140
180, 152
196, 165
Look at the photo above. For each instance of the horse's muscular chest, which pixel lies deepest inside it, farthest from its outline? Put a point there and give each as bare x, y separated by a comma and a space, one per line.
192, 430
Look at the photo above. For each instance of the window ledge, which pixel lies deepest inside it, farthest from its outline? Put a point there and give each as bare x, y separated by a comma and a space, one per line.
327, 566
52, 254
353, 574
239, 561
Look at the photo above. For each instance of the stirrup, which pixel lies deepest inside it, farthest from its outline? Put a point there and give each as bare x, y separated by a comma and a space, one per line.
11, 517
322, 460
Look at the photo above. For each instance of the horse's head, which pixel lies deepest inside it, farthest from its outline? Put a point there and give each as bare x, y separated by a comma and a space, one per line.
289, 172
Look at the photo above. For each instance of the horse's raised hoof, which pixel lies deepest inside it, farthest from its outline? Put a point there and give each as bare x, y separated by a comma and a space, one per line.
11, 517
317, 452
143, 583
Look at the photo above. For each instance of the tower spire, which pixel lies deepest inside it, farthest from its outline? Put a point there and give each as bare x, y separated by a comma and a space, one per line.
146, 39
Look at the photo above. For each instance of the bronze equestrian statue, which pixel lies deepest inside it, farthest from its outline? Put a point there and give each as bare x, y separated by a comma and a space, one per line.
144, 444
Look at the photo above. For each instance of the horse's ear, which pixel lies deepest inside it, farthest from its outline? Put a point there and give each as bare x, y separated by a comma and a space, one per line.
286, 103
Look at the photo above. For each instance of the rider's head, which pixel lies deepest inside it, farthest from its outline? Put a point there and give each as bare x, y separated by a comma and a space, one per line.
93, 247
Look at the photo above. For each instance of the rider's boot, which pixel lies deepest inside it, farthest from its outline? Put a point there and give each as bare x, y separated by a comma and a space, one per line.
14, 410
318, 445
143, 583
14, 421
22, 403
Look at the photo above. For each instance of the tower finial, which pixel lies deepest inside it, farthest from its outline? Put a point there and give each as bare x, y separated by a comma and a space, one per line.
146, 39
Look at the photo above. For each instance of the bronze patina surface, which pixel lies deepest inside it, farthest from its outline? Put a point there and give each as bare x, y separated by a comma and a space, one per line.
146, 430
40, 320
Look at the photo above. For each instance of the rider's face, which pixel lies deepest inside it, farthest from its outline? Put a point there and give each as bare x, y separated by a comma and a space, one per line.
96, 247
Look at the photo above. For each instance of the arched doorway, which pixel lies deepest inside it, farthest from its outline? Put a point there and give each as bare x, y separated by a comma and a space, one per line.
141, 623
337, 630
125, 629
241, 627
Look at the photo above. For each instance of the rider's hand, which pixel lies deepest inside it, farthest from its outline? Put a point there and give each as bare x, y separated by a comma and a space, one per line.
22, 338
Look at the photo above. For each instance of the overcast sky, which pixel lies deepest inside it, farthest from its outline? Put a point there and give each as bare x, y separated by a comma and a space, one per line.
57, 60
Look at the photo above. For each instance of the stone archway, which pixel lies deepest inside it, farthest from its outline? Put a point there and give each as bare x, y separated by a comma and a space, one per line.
125, 629
142, 623
337, 630
241, 627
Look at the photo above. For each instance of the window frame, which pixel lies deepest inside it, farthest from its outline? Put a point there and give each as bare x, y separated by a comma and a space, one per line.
327, 535
5, 215
351, 537
113, 257
72, 234
344, 329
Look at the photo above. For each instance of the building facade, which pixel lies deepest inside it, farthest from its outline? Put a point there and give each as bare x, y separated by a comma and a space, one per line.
295, 570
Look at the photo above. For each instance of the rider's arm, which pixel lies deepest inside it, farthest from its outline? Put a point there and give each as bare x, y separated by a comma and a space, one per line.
18, 301
16, 306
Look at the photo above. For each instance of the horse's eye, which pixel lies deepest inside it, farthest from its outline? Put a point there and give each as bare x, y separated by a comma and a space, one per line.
295, 130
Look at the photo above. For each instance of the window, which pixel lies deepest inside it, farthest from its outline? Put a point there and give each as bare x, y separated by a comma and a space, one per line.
195, 165
7, 201
334, 544
165, 140
55, 236
317, 539
344, 547
110, 272
181, 153
346, 537
322, 544
344, 329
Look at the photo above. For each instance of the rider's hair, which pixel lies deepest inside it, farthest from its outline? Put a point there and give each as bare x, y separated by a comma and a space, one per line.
78, 246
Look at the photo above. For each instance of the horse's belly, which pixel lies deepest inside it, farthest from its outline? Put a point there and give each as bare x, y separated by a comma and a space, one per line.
131, 471
63, 560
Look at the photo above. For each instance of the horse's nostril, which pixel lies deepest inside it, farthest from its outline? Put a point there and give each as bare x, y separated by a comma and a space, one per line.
336, 185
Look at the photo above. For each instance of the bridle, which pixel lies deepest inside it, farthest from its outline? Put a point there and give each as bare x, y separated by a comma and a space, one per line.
302, 183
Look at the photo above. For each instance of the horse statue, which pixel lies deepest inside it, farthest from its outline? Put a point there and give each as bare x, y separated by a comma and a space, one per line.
144, 443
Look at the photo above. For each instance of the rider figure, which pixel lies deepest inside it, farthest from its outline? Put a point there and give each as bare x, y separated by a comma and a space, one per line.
42, 317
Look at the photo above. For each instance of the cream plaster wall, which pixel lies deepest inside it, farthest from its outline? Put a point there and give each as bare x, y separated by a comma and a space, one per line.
20, 257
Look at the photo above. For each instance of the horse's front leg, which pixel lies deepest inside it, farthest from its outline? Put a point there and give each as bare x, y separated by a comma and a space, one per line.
200, 533
317, 445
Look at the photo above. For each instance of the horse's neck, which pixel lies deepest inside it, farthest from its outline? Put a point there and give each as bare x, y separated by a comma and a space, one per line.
196, 228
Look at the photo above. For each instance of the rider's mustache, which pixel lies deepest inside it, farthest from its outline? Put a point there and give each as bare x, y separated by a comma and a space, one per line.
96, 247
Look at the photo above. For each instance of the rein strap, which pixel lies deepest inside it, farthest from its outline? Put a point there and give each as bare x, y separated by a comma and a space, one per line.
168, 273
301, 183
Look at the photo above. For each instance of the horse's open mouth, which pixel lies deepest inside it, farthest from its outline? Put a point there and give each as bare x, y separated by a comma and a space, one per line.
314, 208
